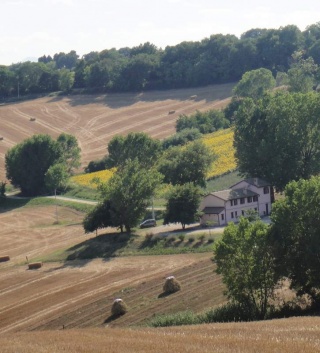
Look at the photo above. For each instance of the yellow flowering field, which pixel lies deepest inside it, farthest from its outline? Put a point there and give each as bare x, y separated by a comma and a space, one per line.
88, 179
221, 142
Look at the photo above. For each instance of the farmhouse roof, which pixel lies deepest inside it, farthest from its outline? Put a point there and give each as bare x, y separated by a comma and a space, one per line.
231, 194
259, 183
213, 210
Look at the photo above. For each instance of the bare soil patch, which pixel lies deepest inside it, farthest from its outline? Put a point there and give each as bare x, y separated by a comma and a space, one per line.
95, 119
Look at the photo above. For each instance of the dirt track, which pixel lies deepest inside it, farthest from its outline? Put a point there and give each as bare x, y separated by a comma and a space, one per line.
94, 120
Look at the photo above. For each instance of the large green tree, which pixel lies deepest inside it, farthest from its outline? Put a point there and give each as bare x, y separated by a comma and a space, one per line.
70, 151
182, 204
136, 145
255, 83
302, 73
296, 224
188, 164
278, 138
245, 260
100, 217
129, 191
28, 162
56, 177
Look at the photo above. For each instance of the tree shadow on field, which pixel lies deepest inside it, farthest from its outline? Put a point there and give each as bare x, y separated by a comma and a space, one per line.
104, 247
10, 203
120, 100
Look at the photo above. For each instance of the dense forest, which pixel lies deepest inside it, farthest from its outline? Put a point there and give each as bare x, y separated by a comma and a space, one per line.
217, 59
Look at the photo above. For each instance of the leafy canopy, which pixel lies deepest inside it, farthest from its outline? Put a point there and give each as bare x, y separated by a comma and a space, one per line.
277, 138
136, 145
126, 196
255, 83
296, 224
182, 204
245, 260
28, 162
189, 164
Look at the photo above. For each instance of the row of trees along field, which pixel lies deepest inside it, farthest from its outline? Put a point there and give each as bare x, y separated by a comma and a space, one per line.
41, 165
219, 58
141, 167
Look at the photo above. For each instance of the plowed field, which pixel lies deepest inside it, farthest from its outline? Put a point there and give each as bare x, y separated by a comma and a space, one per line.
78, 294
94, 120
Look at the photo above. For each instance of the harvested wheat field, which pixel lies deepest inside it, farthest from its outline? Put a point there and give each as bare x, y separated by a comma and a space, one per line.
79, 294
94, 119
294, 335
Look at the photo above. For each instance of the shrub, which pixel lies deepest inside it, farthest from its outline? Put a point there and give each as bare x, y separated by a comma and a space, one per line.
191, 239
171, 239
149, 236
171, 285
182, 318
181, 237
119, 307
230, 312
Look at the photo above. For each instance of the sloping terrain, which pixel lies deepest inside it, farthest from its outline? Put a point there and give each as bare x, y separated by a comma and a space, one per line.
78, 294
294, 335
94, 119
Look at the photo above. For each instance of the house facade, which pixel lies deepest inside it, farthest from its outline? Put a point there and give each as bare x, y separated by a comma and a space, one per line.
225, 206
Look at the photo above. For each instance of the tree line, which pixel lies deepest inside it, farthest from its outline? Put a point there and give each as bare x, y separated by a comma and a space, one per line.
217, 59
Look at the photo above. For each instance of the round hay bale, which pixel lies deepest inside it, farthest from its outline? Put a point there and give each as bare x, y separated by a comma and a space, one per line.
119, 307
171, 285
34, 265
4, 258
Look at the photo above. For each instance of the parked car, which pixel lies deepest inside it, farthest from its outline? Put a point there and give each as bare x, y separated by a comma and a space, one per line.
148, 223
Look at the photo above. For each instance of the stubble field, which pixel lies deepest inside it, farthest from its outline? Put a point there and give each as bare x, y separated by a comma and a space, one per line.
95, 119
66, 306
78, 294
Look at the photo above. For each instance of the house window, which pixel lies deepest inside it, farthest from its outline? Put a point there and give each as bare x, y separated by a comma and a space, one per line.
242, 212
232, 216
266, 190
235, 202
255, 209
249, 199
255, 198
222, 217
236, 214
242, 200
231, 202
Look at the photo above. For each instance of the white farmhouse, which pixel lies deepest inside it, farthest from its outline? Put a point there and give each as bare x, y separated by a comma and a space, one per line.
221, 207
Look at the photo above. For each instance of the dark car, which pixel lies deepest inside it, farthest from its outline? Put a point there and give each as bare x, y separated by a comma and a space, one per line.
148, 223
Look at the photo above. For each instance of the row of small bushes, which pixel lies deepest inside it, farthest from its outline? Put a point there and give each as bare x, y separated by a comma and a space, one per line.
229, 312
151, 238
